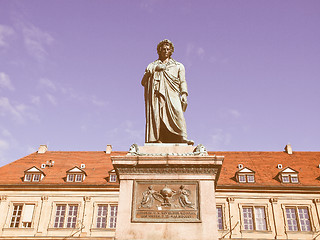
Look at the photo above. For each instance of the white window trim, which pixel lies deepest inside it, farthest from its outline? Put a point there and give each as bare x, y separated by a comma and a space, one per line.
246, 177
290, 175
75, 177
312, 225
54, 209
111, 179
266, 212
95, 215
10, 212
222, 205
33, 174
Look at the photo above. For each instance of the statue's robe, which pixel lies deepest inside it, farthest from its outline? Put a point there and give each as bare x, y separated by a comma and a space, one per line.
162, 94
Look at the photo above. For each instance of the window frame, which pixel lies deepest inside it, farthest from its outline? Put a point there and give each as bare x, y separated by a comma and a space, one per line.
22, 214
66, 215
298, 220
31, 177
74, 177
222, 206
254, 219
108, 216
246, 177
290, 177
113, 178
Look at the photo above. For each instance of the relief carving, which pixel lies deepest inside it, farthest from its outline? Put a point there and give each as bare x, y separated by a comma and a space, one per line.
170, 201
166, 197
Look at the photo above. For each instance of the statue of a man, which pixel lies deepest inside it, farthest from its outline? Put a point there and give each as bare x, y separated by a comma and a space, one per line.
165, 98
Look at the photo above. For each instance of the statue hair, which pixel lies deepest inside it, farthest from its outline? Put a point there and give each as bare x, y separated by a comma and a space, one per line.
165, 42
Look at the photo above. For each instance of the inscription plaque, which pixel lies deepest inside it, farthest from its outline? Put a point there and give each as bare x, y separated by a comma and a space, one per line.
165, 201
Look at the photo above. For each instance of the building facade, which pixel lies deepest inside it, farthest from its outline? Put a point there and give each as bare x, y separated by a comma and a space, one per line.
63, 194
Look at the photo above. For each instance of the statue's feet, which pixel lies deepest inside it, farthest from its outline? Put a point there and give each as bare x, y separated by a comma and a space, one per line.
188, 141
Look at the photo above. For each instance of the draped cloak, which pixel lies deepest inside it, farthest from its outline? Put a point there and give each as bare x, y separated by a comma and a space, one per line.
162, 94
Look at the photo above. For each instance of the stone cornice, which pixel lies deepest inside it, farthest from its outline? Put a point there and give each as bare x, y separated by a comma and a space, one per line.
167, 160
268, 189
167, 170
55, 187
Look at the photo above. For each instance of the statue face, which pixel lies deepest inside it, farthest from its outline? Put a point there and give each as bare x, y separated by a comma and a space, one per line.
165, 51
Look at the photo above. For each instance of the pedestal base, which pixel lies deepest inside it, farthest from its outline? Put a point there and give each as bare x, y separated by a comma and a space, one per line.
167, 194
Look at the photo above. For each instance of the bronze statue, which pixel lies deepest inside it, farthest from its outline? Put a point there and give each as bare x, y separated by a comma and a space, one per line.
165, 98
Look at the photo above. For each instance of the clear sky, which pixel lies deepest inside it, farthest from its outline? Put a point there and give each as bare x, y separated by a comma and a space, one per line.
70, 72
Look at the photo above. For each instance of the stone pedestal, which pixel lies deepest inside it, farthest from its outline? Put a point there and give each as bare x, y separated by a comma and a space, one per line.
167, 191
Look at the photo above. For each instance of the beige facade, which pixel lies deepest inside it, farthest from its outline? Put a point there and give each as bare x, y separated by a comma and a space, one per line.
274, 204
43, 216
259, 195
231, 203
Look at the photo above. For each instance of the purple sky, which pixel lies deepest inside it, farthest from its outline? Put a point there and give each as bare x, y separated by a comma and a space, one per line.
70, 72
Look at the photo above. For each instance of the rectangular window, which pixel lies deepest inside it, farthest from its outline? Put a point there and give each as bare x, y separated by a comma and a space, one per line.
254, 218
113, 216
72, 216
250, 178
36, 178
294, 179
247, 218
70, 177
102, 216
242, 178
78, 178
22, 214
106, 216
60, 216
16, 216
260, 219
27, 215
28, 177
285, 179
219, 217
298, 219
113, 178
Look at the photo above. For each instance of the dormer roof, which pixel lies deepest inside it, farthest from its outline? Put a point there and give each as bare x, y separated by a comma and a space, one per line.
289, 170
245, 170
34, 169
76, 169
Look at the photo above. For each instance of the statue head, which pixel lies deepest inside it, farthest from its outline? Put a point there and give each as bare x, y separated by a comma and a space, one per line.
165, 42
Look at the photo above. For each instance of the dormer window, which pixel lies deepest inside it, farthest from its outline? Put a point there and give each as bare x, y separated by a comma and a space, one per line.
76, 174
33, 174
112, 176
245, 175
289, 175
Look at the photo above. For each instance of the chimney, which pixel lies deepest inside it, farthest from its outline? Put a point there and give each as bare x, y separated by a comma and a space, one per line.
109, 149
288, 149
42, 149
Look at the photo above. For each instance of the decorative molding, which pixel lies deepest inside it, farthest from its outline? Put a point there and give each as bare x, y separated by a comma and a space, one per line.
316, 200
200, 150
193, 170
44, 198
230, 199
273, 200
3, 197
87, 198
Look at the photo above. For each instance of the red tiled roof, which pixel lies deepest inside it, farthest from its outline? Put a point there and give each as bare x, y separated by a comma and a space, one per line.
265, 166
98, 164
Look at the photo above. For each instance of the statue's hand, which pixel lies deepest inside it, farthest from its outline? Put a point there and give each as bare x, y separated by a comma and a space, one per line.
184, 98
160, 67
